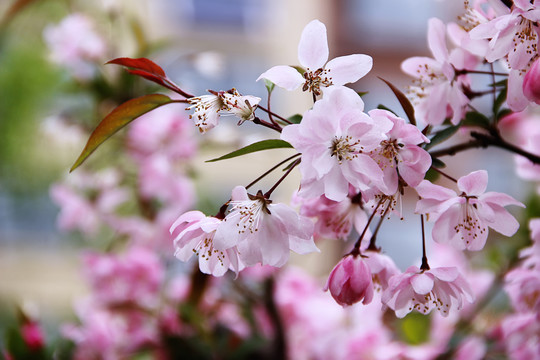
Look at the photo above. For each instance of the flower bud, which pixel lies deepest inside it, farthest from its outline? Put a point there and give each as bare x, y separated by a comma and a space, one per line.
531, 83
350, 281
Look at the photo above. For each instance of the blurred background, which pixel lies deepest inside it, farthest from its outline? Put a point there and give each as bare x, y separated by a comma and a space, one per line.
201, 44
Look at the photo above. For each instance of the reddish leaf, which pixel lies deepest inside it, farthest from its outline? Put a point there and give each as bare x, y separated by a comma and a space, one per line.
149, 70
405, 103
140, 64
117, 119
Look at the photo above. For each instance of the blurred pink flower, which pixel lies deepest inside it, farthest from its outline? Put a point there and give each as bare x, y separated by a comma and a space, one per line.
521, 336
75, 44
313, 55
437, 88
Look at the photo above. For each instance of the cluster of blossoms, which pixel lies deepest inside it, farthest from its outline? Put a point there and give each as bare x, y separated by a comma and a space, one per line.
357, 166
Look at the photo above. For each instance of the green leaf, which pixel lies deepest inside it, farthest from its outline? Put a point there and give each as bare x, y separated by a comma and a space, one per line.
499, 83
362, 93
117, 119
499, 100
438, 163
258, 146
295, 119
473, 118
269, 85
403, 100
442, 135
383, 107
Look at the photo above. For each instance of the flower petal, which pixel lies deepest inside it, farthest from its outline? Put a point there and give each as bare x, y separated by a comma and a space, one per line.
473, 184
313, 46
283, 76
349, 69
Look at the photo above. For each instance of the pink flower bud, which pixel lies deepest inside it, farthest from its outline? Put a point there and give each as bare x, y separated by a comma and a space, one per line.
32, 335
350, 281
531, 83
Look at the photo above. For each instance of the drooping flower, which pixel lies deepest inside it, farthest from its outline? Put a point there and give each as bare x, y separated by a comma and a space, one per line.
350, 281
399, 155
424, 290
382, 268
437, 87
531, 86
208, 108
195, 235
463, 220
335, 139
335, 219
263, 232
313, 56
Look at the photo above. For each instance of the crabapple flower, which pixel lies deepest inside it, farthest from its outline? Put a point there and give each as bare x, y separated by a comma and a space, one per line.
335, 219
463, 220
263, 232
73, 43
531, 83
382, 268
350, 281
335, 139
436, 86
513, 34
208, 108
440, 288
195, 235
313, 55
399, 155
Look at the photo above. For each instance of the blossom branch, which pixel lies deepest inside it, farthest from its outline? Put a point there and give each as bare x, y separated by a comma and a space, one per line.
270, 170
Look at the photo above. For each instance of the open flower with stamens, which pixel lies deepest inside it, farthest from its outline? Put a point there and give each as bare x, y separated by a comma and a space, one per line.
208, 108
335, 139
437, 89
263, 232
463, 220
313, 55
195, 235
400, 155
440, 288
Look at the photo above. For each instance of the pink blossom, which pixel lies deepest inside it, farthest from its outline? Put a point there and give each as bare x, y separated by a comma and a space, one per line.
32, 335
335, 139
208, 108
195, 235
399, 155
521, 336
313, 55
165, 130
75, 44
513, 33
523, 287
382, 268
472, 348
350, 281
133, 278
424, 290
463, 220
531, 87
437, 88
86, 200
263, 232
335, 219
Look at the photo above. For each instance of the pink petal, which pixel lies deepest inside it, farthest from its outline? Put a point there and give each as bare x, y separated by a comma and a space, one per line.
283, 76
445, 273
313, 46
473, 184
515, 99
349, 69
422, 283
437, 39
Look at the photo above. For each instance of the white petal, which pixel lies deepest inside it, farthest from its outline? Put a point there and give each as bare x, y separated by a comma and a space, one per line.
283, 76
313, 46
349, 69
